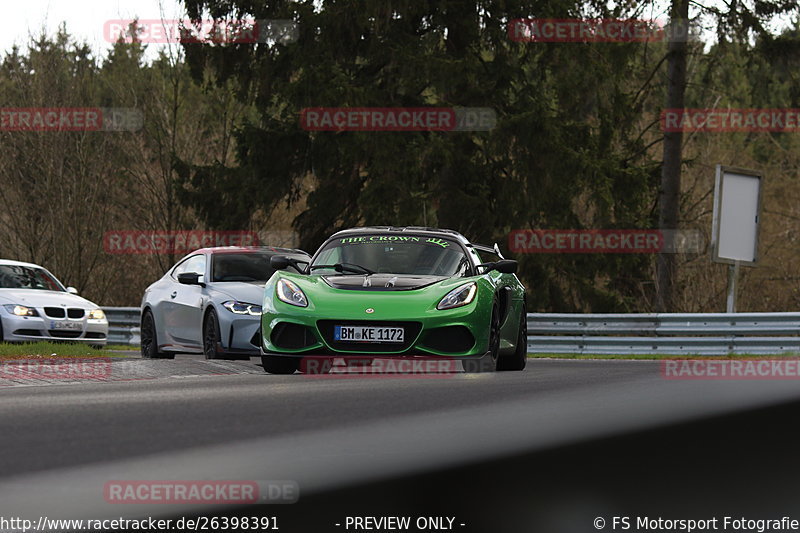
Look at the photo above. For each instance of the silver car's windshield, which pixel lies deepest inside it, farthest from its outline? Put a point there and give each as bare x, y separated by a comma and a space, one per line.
395, 254
241, 267
24, 277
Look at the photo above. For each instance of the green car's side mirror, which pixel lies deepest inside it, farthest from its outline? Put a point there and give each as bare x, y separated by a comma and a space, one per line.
504, 266
281, 262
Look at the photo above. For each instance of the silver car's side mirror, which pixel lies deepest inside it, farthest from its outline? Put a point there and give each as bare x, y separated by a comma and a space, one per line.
72, 290
191, 278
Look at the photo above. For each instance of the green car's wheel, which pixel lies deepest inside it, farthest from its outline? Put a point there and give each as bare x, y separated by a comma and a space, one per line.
276, 364
488, 363
519, 358
149, 341
211, 337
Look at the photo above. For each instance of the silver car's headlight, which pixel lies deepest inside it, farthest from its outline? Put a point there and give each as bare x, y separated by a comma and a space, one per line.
21, 310
96, 314
290, 293
459, 296
242, 308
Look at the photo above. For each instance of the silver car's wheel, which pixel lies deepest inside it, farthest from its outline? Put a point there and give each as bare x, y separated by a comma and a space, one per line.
149, 340
211, 337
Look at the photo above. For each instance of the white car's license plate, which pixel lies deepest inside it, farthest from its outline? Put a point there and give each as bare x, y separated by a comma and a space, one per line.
368, 334
71, 326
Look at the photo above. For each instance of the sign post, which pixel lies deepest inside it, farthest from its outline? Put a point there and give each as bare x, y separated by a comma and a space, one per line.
735, 225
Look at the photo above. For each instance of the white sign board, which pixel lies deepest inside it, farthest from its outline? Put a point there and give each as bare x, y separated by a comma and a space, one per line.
737, 211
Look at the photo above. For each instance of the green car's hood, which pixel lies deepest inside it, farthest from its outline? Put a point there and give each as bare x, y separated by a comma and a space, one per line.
381, 282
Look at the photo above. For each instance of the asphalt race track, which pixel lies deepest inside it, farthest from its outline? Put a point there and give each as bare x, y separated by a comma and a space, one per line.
547, 449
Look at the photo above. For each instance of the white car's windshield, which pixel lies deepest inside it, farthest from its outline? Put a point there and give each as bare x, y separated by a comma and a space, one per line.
393, 254
24, 277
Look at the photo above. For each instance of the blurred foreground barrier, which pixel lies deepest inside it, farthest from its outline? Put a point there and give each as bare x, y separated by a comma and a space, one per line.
123, 325
664, 333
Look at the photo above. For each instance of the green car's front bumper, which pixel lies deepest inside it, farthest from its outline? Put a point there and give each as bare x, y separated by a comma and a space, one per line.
461, 332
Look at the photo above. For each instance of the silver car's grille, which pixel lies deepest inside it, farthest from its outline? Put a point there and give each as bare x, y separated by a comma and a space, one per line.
55, 312
60, 312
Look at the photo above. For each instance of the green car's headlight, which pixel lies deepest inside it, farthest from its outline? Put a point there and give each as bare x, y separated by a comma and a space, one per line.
290, 293
459, 296
241, 308
96, 314
21, 310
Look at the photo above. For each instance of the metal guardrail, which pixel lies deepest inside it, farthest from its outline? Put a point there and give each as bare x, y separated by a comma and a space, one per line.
624, 334
664, 333
123, 325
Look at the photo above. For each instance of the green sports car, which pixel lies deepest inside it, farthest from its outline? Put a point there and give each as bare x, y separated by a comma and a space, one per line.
379, 292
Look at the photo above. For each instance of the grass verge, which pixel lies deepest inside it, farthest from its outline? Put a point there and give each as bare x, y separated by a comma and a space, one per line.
53, 350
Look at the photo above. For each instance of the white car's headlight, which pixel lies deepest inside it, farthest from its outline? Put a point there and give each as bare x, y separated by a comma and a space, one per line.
290, 293
459, 296
96, 314
242, 308
21, 310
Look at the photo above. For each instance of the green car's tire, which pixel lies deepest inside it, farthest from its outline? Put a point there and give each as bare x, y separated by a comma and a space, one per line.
276, 364
149, 340
487, 363
519, 358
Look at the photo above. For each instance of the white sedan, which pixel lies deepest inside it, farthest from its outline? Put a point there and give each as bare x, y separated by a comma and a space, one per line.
35, 306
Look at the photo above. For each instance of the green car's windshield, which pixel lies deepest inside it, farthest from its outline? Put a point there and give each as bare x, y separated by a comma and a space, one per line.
392, 254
